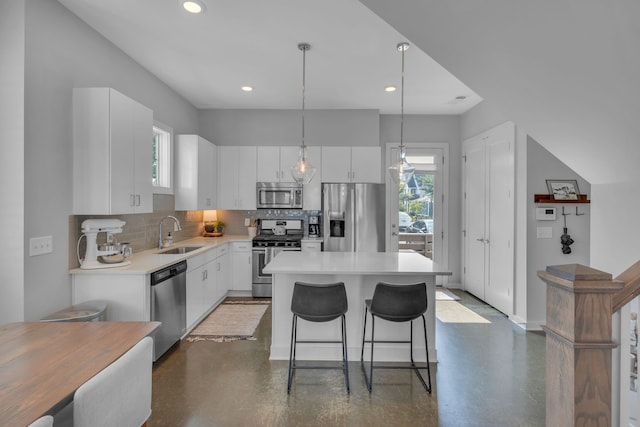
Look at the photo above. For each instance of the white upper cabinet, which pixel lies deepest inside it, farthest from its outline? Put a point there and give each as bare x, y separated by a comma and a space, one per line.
112, 140
351, 164
195, 173
274, 163
236, 178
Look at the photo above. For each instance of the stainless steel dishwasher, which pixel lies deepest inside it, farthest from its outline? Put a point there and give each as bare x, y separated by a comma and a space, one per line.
169, 306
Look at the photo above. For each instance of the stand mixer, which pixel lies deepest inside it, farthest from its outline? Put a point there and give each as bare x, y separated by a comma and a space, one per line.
103, 255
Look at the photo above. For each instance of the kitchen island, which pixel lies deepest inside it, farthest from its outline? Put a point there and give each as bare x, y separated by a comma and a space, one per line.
360, 272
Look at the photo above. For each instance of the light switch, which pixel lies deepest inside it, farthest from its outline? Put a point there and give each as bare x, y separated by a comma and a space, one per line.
40, 245
544, 232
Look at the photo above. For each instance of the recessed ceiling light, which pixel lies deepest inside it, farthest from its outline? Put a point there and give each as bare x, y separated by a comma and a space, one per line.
247, 88
390, 88
193, 6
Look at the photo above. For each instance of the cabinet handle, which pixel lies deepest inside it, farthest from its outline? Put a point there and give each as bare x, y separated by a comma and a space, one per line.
137, 200
132, 200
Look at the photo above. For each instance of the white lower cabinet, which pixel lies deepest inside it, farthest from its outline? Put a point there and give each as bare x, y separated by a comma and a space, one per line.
207, 282
128, 298
241, 259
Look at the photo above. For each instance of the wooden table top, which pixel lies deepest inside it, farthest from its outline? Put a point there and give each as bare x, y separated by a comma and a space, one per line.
44, 363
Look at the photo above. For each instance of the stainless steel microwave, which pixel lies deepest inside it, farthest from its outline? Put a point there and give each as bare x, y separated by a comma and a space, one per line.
278, 195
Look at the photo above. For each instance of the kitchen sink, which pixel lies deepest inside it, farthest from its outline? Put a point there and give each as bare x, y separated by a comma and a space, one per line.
180, 250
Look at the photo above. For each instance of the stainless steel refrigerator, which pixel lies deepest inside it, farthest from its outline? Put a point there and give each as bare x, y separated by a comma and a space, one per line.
353, 217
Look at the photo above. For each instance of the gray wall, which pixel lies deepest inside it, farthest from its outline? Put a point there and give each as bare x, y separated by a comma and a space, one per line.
534, 165
62, 52
284, 127
543, 165
12, 35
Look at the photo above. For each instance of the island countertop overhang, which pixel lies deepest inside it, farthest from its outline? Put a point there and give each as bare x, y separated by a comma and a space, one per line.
357, 263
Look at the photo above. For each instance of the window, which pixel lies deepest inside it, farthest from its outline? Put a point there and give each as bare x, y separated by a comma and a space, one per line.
162, 159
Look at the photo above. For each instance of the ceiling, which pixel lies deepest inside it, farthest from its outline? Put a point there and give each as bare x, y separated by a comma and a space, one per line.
208, 57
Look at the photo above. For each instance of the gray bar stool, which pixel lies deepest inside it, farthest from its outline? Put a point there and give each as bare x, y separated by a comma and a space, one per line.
396, 303
318, 303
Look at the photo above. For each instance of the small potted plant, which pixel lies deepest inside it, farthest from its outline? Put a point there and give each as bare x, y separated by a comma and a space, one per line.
213, 228
218, 227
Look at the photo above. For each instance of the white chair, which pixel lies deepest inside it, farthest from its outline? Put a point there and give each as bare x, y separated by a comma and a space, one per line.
45, 421
120, 394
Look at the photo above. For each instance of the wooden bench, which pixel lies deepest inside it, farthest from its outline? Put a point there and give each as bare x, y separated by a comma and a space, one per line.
419, 242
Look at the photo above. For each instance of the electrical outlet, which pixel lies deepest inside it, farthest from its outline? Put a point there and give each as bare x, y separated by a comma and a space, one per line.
247, 222
40, 245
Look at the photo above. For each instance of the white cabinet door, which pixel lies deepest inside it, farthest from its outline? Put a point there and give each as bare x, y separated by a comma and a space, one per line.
246, 178
209, 285
489, 215
143, 168
289, 156
268, 164
366, 164
241, 269
195, 295
195, 173
223, 275
236, 178
336, 164
351, 164
112, 136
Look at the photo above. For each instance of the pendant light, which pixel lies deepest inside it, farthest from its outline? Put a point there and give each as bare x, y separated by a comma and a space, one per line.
303, 171
401, 171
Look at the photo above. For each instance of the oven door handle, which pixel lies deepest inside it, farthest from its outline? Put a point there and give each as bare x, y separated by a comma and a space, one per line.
268, 255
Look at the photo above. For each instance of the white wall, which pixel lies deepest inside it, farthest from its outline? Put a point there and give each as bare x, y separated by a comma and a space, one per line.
615, 226
62, 52
12, 39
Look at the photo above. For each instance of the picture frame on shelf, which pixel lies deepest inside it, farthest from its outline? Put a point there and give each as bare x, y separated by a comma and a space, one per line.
563, 189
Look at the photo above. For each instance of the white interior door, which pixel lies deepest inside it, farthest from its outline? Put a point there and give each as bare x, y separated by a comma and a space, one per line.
489, 216
500, 209
474, 212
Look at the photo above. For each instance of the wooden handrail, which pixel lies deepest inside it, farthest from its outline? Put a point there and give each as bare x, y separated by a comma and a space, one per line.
631, 279
579, 345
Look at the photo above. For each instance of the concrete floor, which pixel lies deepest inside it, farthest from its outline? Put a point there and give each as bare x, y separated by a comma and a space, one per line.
490, 373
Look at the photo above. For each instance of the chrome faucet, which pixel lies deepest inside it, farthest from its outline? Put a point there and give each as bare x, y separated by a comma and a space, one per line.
178, 227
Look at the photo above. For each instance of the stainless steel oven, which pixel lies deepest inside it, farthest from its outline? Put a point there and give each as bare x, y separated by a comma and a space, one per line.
266, 245
262, 282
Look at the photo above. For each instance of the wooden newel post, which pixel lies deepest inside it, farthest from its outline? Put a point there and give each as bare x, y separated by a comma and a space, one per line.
579, 345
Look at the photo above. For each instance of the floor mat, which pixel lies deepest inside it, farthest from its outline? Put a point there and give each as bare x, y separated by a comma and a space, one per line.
229, 322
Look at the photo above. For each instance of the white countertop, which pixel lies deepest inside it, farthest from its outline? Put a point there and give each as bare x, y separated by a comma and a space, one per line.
148, 261
361, 263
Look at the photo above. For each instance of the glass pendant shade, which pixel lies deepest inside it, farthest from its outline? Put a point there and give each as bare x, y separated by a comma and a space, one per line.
401, 171
303, 171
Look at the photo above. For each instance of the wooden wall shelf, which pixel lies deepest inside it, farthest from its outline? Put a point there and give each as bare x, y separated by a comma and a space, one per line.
546, 198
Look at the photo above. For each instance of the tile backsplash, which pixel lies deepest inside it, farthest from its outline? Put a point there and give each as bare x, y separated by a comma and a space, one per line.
141, 230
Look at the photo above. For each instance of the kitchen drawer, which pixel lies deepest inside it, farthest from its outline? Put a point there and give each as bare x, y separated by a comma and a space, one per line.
197, 261
311, 246
220, 250
241, 246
